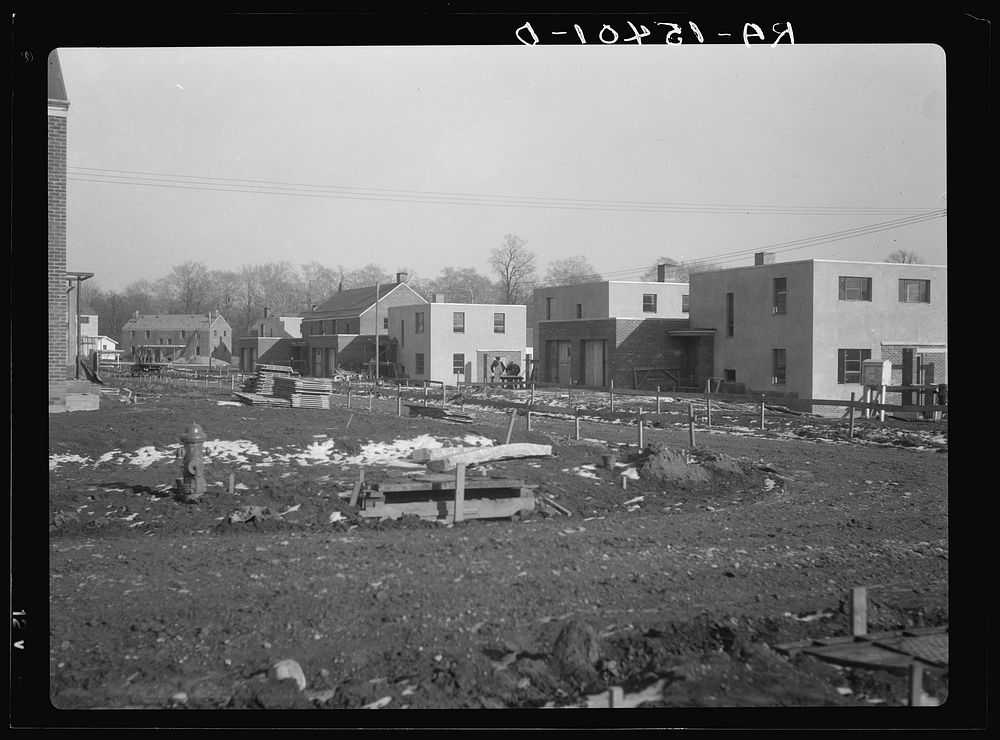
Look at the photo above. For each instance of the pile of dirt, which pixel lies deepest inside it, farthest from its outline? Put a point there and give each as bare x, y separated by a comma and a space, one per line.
673, 466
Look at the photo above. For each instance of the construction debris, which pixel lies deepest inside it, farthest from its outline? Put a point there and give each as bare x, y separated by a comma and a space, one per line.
432, 497
312, 393
437, 412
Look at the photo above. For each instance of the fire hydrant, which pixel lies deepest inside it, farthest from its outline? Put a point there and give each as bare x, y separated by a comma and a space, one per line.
192, 485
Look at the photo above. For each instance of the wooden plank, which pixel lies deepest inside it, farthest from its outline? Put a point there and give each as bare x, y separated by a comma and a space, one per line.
445, 510
472, 456
357, 487
471, 484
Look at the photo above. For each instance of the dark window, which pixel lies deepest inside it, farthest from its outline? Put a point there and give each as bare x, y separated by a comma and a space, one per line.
849, 364
133, 335
183, 334
333, 326
855, 288
579, 310
915, 291
385, 322
685, 304
418, 324
147, 333
499, 323
729, 375
778, 373
730, 313
458, 363
84, 319
548, 308
649, 302
418, 359
780, 295
458, 322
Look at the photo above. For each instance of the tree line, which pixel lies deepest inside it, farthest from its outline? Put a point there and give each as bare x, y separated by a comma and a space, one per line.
240, 295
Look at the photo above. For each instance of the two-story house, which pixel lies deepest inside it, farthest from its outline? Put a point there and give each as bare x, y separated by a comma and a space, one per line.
273, 340
451, 342
802, 329
593, 333
341, 331
169, 337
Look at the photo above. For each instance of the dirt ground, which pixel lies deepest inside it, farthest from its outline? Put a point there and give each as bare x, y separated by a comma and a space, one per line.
676, 587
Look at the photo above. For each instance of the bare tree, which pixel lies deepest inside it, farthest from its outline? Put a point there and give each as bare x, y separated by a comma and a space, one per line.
188, 285
515, 269
678, 272
905, 256
570, 271
366, 276
459, 285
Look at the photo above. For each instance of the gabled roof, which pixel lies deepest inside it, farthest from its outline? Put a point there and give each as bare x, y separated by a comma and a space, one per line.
57, 90
168, 322
352, 302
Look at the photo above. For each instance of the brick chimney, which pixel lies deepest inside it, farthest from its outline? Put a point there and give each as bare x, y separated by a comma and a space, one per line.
400, 277
763, 258
437, 298
661, 273
266, 311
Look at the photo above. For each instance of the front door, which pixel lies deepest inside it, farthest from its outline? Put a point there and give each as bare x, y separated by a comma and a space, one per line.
331, 361
317, 362
593, 362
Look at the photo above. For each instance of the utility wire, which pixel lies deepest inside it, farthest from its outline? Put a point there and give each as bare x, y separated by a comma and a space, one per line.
266, 187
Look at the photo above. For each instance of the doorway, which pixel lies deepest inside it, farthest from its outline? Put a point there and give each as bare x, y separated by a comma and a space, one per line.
593, 357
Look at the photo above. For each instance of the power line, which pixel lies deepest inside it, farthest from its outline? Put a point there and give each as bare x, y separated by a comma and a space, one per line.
269, 187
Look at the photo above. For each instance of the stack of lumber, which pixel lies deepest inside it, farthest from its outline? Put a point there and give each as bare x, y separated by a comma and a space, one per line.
308, 393
263, 380
256, 399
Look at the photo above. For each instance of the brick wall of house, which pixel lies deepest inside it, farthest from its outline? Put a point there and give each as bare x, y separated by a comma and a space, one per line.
645, 343
57, 260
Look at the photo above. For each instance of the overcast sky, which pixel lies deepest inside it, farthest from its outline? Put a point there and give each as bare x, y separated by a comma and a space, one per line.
425, 157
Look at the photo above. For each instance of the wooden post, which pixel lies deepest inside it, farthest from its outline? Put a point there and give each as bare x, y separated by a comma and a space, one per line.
399, 401
576, 422
527, 419
859, 611
657, 399
357, 487
916, 684
691, 424
370, 397
762, 413
444, 395
425, 393
624, 482
708, 409
881, 399
639, 429
569, 395
232, 382
348, 394
459, 492
850, 410
612, 394
616, 697
232, 483
510, 425
531, 396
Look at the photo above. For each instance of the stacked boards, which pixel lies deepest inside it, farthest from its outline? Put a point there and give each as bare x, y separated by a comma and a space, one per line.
304, 393
263, 381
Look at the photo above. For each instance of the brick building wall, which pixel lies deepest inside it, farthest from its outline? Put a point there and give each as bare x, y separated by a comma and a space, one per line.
58, 316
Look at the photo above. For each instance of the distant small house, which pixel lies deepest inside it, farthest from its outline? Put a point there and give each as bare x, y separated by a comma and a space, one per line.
86, 320
170, 337
273, 340
341, 331
452, 342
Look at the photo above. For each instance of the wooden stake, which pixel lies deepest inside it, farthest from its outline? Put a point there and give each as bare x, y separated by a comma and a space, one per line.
370, 397
881, 399
859, 611
531, 395
916, 684
691, 425
232, 483
624, 482
612, 394
399, 401
708, 408
425, 393
357, 487
640, 431
527, 419
616, 697
850, 410
510, 425
657, 399
444, 395
576, 422
459, 493
762, 413
569, 395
